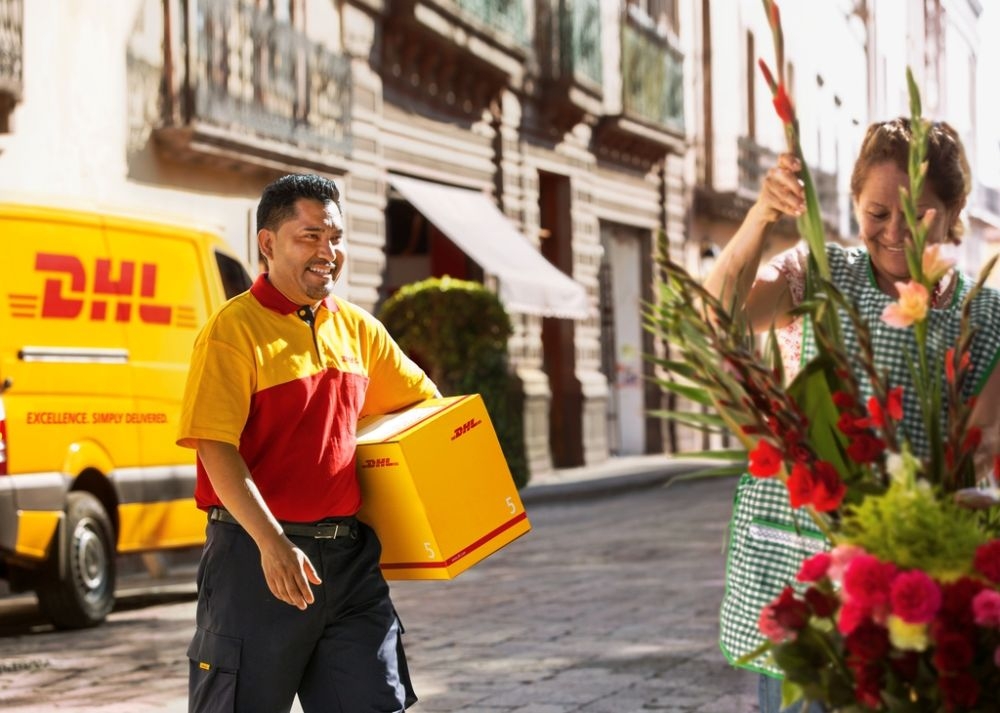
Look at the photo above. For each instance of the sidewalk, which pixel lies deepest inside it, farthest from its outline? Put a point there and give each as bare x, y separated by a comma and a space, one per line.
616, 474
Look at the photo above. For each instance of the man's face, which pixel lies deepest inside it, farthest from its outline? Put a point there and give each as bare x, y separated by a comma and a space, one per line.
305, 254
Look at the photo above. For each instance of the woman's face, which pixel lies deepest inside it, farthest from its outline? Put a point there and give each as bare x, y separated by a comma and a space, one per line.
883, 226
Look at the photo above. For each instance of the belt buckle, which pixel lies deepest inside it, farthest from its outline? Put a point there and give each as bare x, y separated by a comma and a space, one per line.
320, 535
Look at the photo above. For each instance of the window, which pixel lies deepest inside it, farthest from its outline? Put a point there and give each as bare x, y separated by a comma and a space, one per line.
235, 279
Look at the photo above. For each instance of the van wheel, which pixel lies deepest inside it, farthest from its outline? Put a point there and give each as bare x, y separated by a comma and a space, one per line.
77, 587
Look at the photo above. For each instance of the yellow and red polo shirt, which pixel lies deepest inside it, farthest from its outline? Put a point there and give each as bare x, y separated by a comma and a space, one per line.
287, 388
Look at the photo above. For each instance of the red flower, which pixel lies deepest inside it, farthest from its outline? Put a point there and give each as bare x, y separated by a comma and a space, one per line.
822, 604
843, 400
800, 485
765, 460
868, 642
894, 403
915, 597
867, 581
973, 437
953, 652
781, 619
814, 568
956, 604
851, 616
987, 561
865, 448
783, 105
768, 77
774, 17
867, 683
851, 426
829, 489
949, 364
906, 665
959, 691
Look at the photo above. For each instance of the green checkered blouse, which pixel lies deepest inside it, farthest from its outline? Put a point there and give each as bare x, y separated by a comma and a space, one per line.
768, 540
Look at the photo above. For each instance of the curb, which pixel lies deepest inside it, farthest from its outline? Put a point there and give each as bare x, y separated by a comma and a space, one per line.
628, 480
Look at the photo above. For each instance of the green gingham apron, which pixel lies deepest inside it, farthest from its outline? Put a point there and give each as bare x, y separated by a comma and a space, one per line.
767, 539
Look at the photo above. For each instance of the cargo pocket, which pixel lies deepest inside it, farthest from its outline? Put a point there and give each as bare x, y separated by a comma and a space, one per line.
767, 544
215, 662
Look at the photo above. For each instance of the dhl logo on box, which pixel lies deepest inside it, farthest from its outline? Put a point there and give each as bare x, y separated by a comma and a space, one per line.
436, 488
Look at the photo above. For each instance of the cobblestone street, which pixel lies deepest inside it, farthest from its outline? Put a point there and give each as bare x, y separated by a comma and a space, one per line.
609, 605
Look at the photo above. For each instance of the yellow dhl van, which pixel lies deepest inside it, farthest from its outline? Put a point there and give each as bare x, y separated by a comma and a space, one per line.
96, 332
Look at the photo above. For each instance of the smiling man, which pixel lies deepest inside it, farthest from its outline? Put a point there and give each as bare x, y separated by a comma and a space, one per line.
290, 596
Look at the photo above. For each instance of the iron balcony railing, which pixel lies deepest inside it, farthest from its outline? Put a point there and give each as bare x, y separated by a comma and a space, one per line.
253, 74
508, 16
754, 162
652, 78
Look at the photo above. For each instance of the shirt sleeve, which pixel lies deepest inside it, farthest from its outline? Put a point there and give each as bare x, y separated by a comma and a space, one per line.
791, 264
394, 380
219, 388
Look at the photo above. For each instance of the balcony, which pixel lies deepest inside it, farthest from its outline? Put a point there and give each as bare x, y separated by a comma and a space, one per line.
652, 79
505, 15
652, 75
11, 58
453, 56
251, 88
569, 48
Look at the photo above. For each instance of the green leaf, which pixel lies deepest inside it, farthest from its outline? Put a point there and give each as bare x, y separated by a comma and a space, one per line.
707, 421
693, 393
813, 389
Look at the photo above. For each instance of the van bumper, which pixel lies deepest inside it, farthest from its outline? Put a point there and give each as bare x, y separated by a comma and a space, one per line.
29, 516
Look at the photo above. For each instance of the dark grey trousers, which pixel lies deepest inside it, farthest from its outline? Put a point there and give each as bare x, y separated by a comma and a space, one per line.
252, 653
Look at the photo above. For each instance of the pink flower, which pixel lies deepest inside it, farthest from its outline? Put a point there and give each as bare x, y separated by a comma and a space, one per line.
781, 619
987, 560
937, 260
915, 597
910, 308
986, 608
840, 557
867, 581
814, 568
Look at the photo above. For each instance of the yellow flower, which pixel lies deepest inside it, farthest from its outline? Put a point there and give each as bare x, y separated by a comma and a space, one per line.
911, 307
907, 637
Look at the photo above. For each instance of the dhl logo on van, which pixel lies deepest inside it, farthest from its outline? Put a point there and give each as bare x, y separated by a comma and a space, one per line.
378, 463
465, 428
108, 290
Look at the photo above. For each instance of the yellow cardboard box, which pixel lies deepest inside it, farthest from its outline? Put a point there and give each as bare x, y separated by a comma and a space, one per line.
436, 488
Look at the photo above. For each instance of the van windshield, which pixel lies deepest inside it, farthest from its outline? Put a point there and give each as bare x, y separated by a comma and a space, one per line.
235, 279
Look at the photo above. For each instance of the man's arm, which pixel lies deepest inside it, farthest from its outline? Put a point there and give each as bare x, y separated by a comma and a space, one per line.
287, 569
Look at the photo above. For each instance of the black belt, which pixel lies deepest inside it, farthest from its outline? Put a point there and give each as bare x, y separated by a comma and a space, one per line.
343, 527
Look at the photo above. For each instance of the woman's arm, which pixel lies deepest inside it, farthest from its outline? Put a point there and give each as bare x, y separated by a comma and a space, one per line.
735, 279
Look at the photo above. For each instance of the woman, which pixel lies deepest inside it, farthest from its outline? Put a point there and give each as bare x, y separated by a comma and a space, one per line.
767, 539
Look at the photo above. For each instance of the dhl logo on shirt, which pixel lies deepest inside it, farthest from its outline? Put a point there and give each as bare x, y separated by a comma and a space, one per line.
108, 289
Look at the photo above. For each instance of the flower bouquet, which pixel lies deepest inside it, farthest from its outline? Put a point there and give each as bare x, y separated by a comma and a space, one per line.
887, 538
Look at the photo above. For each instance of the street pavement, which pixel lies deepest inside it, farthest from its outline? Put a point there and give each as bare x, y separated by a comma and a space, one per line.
608, 605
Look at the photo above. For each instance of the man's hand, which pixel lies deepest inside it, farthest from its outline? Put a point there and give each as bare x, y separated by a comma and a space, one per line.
288, 571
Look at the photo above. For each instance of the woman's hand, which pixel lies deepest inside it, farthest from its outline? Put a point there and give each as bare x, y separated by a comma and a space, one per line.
781, 192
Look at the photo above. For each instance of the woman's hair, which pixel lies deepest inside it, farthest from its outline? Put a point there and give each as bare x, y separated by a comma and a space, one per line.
948, 172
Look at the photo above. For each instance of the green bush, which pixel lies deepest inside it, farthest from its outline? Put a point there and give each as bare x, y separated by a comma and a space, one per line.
457, 331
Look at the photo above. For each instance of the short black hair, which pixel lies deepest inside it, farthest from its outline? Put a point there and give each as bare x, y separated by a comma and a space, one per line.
277, 202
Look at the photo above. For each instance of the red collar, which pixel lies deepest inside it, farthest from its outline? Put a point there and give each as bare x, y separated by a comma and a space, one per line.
269, 296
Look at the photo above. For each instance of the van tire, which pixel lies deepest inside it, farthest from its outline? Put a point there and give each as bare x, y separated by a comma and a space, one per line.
77, 586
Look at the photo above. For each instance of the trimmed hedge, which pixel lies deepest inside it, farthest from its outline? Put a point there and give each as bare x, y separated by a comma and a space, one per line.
457, 331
